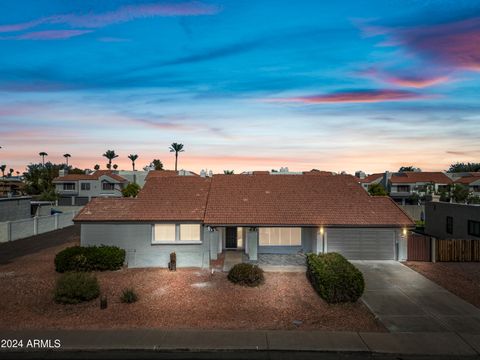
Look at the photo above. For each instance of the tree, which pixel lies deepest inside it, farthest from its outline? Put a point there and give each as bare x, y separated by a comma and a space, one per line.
157, 164
66, 156
460, 193
133, 158
228, 172
75, 171
176, 148
43, 154
131, 190
96, 167
10, 172
473, 199
2, 169
39, 177
464, 167
110, 155
377, 190
408, 168
115, 166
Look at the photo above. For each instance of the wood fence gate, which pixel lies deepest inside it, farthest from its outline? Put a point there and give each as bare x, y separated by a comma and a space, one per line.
419, 247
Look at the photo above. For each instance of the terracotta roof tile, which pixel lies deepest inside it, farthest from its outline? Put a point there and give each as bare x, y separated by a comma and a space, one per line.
467, 180
424, 177
371, 178
94, 176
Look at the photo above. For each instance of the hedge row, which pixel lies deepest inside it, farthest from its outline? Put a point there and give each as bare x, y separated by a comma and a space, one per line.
91, 258
334, 278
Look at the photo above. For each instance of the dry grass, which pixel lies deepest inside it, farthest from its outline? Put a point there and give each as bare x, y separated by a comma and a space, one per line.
187, 298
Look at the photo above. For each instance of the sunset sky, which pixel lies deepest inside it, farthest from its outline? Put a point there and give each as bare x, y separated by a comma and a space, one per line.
346, 85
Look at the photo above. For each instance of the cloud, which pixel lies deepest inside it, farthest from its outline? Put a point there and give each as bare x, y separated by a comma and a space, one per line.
50, 34
454, 44
407, 80
119, 15
354, 96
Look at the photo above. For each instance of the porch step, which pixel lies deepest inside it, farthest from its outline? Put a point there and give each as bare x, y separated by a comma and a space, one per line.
232, 258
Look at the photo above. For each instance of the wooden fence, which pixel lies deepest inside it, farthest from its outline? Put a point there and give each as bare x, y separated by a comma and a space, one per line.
418, 247
458, 250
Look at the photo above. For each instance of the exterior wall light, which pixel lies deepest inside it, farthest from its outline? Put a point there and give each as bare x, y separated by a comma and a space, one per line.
321, 230
404, 231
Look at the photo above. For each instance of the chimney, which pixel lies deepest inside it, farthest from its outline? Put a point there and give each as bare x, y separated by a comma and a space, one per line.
62, 172
210, 173
203, 173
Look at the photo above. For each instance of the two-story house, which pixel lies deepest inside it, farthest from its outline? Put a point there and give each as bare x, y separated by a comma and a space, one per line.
366, 181
79, 189
472, 181
404, 185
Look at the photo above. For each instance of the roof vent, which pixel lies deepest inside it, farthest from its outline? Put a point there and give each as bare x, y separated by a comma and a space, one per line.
203, 173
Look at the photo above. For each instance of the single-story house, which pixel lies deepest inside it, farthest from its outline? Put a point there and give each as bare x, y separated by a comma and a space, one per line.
198, 218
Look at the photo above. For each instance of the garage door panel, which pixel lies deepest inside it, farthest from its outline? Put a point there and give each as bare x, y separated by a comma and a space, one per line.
362, 244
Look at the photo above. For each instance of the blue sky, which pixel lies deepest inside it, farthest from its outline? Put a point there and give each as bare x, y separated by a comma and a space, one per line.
245, 85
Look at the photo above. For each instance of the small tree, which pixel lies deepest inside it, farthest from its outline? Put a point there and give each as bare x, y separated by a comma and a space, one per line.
131, 190
115, 166
157, 164
377, 190
464, 167
460, 193
2, 169
408, 168
10, 172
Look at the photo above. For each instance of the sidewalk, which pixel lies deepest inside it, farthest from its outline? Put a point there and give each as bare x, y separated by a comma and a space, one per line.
437, 343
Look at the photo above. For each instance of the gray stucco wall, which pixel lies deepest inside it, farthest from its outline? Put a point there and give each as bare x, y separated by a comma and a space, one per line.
15, 208
136, 239
436, 219
309, 238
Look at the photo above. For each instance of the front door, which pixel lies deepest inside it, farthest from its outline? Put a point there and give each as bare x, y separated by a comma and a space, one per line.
231, 238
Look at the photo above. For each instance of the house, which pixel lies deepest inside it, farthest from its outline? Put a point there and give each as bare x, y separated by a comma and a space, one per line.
404, 185
452, 221
472, 181
366, 181
11, 186
79, 189
199, 217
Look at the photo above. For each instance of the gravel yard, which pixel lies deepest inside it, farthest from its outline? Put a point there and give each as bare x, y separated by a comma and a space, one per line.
460, 278
184, 299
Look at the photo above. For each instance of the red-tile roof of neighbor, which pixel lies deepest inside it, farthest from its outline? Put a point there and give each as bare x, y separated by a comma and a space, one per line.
252, 200
371, 178
94, 176
467, 179
424, 177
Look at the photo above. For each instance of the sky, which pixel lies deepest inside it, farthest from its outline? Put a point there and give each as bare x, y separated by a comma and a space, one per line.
245, 85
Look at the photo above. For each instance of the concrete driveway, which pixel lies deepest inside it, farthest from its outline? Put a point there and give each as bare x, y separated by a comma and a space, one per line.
406, 301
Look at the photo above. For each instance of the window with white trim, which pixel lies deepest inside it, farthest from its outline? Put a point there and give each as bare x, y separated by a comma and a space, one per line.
68, 186
108, 186
85, 186
164, 232
189, 232
280, 236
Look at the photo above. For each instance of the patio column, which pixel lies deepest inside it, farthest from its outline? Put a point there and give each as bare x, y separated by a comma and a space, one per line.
252, 239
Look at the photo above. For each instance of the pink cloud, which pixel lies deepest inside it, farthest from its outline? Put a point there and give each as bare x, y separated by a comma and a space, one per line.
410, 80
122, 14
51, 34
358, 96
454, 43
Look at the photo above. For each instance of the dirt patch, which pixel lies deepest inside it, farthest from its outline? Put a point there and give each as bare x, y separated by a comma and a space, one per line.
187, 298
462, 278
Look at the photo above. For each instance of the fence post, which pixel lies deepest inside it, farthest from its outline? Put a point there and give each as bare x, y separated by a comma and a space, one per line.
433, 247
35, 225
56, 221
9, 231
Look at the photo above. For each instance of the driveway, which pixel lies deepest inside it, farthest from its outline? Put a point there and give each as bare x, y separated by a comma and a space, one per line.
406, 301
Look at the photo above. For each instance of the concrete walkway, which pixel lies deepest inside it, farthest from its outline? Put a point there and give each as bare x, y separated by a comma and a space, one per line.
406, 301
207, 340
232, 258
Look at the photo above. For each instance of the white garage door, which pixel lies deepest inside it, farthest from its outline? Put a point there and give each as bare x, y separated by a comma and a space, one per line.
362, 244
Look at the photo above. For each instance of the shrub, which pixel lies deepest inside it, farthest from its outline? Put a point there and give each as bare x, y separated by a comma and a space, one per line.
92, 258
334, 278
246, 274
76, 287
128, 296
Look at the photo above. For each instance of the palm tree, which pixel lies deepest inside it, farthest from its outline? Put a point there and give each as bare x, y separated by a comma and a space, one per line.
2, 168
10, 172
66, 156
133, 157
110, 155
176, 148
43, 154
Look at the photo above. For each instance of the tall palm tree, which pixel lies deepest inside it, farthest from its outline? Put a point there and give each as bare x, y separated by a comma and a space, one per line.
133, 158
66, 156
43, 154
110, 155
2, 168
176, 148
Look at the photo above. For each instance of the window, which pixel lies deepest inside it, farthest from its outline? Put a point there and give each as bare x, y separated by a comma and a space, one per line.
403, 188
189, 232
108, 186
474, 228
280, 236
476, 188
164, 232
449, 225
85, 186
69, 186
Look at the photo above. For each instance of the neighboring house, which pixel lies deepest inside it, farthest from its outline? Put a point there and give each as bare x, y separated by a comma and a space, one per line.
15, 208
472, 182
79, 189
452, 221
402, 186
198, 218
11, 186
366, 181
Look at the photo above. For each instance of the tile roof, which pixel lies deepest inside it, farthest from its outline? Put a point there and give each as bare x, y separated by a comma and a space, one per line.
371, 178
252, 200
94, 176
424, 177
467, 179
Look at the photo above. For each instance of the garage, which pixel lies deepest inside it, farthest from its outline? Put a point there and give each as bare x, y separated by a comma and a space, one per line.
362, 244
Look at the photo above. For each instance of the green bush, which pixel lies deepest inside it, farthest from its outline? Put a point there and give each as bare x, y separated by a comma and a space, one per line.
91, 258
128, 296
76, 287
334, 278
246, 274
